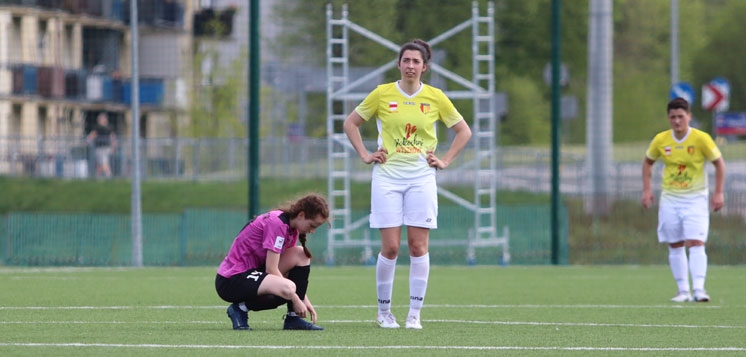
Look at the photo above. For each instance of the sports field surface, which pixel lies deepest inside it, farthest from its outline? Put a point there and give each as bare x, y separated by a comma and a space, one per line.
469, 311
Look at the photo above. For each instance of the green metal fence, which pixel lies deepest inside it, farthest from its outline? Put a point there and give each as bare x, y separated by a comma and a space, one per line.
203, 236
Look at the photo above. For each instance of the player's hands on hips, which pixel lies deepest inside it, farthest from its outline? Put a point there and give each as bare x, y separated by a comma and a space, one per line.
434, 161
717, 201
378, 156
647, 198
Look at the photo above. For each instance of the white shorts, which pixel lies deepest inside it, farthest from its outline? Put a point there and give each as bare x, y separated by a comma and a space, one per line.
102, 155
680, 220
393, 204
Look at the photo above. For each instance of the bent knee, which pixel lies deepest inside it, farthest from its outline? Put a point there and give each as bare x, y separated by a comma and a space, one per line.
288, 289
279, 286
296, 256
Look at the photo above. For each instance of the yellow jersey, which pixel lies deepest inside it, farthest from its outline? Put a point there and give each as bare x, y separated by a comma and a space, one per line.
407, 126
684, 172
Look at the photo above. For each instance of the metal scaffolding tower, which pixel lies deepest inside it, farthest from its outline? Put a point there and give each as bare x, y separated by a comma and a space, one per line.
341, 96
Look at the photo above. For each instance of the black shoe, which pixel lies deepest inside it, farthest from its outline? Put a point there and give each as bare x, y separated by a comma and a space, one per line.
239, 318
296, 323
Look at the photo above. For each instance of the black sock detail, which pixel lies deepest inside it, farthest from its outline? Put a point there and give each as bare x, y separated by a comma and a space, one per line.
299, 275
265, 302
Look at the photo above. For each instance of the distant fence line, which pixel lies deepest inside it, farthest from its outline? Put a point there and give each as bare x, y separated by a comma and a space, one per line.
198, 237
627, 235
523, 169
204, 159
203, 236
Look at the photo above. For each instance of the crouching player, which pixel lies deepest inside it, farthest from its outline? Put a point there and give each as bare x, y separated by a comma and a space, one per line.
265, 268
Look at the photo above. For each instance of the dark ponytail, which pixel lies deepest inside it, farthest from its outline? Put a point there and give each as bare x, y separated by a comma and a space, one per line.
302, 239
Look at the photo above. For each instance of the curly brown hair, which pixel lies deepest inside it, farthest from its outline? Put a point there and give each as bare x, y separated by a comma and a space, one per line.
312, 205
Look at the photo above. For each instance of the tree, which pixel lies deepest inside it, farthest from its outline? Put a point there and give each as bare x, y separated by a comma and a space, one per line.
527, 120
303, 25
722, 56
641, 51
214, 104
523, 49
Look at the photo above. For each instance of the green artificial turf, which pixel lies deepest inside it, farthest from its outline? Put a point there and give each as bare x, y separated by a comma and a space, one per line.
469, 311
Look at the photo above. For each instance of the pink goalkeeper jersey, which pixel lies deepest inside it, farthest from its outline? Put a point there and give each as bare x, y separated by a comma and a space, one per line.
249, 249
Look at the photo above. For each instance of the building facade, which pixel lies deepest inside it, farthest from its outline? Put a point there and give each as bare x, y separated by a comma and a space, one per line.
62, 62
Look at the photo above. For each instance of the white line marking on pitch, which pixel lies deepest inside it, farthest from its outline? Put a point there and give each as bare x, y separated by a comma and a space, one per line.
276, 347
441, 306
466, 322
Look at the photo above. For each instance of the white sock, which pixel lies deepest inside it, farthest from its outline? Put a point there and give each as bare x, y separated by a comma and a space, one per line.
419, 271
698, 266
242, 306
385, 269
679, 267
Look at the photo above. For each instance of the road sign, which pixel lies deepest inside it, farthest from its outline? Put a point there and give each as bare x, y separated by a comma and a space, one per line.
682, 90
715, 95
730, 123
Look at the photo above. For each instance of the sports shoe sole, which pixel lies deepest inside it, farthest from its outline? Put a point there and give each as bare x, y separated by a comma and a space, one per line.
682, 298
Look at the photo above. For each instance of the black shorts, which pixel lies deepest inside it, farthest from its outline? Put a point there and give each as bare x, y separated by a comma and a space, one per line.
240, 287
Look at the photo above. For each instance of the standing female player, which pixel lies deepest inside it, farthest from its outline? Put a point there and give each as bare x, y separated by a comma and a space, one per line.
403, 187
265, 269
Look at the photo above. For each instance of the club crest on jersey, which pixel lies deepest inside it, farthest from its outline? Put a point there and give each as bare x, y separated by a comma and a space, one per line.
690, 149
425, 108
393, 107
668, 150
279, 242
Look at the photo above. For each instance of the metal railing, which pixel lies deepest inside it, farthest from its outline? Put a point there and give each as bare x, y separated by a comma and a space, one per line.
204, 159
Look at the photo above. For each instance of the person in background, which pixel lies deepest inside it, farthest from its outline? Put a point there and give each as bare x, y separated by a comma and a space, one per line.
265, 268
104, 141
683, 213
403, 187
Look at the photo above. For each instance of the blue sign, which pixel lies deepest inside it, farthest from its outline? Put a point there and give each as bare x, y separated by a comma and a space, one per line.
683, 90
721, 82
730, 123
